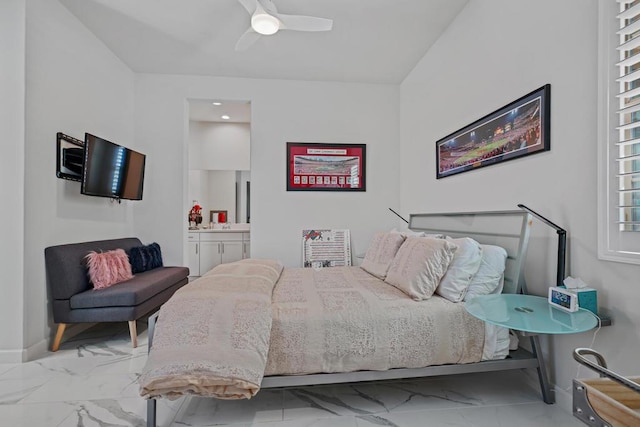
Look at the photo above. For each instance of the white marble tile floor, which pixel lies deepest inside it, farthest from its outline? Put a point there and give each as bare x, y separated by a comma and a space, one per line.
92, 381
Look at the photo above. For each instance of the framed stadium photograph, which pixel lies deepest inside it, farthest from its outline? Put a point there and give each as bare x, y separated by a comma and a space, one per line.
326, 167
515, 130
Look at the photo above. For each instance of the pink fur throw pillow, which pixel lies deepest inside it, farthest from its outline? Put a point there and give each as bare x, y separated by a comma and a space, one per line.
108, 268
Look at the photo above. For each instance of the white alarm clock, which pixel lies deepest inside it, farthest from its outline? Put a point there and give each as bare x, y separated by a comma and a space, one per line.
563, 299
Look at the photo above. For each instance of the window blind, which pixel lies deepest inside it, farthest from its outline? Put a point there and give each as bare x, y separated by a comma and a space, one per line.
627, 157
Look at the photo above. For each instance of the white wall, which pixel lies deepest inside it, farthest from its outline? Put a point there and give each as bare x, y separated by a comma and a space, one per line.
493, 53
12, 146
198, 191
222, 193
219, 146
282, 111
216, 152
214, 190
74, 85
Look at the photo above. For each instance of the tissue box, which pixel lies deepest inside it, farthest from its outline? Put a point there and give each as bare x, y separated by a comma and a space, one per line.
587, 298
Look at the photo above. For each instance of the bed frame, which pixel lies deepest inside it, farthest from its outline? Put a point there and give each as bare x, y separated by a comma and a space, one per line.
508, 229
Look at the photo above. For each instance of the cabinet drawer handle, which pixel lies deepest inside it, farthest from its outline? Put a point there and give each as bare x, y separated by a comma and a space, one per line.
196, 249
222, 247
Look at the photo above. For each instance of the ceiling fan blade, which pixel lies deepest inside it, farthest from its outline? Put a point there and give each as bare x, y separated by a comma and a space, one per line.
304, 23
246, 40
250, 5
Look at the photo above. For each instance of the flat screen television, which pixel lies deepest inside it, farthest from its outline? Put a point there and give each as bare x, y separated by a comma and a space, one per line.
111, 170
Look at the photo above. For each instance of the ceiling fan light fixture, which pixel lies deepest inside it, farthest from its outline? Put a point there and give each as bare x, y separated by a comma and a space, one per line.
265, 24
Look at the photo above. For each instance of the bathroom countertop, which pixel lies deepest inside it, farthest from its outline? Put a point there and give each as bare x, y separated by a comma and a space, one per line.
221, 230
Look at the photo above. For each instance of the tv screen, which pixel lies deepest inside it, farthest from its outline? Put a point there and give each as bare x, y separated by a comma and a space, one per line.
111, 170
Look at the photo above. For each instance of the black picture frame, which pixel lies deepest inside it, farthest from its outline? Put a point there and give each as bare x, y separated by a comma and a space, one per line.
69, 155
518, 129
314, 166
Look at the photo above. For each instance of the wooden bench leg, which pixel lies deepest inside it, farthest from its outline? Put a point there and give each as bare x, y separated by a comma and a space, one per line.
58, 338
134, 333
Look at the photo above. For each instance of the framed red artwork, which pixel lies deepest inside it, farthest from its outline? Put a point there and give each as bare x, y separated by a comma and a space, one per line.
326, 167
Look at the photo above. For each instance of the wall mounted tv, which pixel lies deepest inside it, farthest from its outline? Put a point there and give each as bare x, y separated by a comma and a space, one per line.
111, 170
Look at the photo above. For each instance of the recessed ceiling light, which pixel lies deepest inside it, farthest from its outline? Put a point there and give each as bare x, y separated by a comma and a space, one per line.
217, 103
225, 117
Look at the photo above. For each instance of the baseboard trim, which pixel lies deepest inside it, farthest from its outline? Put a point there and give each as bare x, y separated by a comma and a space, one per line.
24, 355
564, 399
12, 356
40, 348
37, 350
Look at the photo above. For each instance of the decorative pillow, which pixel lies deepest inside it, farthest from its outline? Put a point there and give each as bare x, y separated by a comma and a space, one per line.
419, 265
408, 233
145, 258
464, 266
108, 268
489, 278
381, 251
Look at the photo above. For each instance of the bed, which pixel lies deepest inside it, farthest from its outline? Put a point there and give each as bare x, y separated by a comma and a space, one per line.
297, 327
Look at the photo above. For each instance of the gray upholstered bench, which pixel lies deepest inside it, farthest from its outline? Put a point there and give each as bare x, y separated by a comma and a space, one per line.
75, 300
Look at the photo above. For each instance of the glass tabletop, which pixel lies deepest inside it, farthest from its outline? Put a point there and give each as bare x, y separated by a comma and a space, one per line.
529, 313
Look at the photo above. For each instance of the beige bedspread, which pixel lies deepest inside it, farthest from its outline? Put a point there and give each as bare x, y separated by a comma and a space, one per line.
219, 335
212, 336
343, 319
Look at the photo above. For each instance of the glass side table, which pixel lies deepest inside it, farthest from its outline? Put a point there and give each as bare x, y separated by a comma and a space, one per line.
532, 315
529, 313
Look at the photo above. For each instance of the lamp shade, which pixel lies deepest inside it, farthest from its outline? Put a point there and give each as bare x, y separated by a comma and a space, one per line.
265, 24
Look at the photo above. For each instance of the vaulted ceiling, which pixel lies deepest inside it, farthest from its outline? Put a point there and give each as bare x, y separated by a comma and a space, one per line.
372, 41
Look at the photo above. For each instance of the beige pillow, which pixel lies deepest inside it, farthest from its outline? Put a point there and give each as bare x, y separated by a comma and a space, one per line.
464, 266
381, 251
419, 265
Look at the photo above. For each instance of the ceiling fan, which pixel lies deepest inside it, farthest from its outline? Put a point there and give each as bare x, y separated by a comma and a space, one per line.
265, 20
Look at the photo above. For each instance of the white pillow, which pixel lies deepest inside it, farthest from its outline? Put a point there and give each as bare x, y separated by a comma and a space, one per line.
407, 233
464, 266
419, 265
381, 251
489, 278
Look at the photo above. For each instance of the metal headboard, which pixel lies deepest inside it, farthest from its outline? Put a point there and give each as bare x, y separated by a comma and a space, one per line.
508, 229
